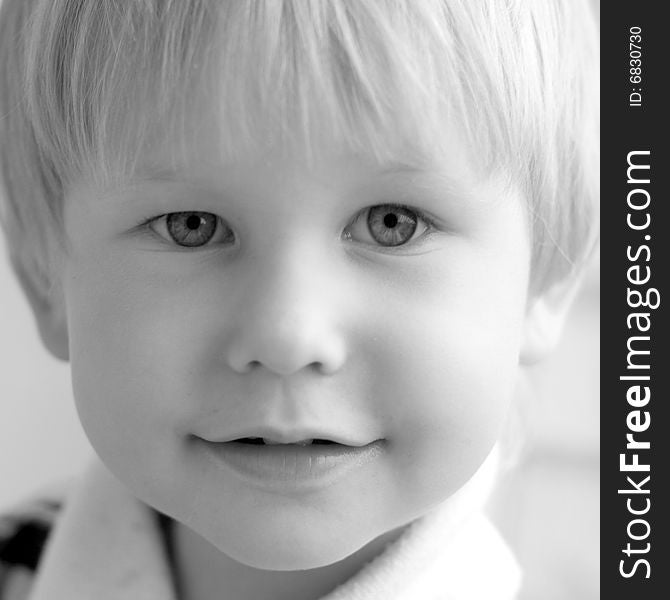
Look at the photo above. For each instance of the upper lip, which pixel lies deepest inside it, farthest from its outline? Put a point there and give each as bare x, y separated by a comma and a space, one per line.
288, 436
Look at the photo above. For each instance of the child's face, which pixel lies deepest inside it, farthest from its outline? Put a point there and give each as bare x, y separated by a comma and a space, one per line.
290, 318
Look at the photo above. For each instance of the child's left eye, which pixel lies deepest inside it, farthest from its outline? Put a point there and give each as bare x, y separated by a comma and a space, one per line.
192, 229
388, 225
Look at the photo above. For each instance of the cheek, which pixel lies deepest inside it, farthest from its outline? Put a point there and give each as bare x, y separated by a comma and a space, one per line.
448, 370
134, 358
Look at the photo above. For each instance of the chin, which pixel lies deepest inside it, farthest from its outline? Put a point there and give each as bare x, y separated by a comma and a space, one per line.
287, 559
301, 548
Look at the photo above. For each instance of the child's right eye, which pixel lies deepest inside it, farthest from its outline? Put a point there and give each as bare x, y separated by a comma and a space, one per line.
192, 229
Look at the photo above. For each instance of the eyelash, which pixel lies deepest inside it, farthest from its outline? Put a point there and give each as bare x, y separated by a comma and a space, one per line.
430, 228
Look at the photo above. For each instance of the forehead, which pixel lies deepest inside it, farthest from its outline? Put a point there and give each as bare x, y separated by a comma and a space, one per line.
204, 139
210, 139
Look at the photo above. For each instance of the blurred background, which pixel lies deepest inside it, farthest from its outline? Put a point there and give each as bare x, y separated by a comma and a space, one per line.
40, 436
547, 507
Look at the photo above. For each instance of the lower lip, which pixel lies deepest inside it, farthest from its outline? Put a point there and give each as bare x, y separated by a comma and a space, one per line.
290, 465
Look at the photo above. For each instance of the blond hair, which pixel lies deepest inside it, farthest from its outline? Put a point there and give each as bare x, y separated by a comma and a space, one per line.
85, 85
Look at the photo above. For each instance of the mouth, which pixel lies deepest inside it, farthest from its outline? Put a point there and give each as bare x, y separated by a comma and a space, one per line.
299, 464
259, 441
261, 435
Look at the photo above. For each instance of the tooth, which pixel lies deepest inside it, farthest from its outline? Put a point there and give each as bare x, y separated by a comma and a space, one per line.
270, 442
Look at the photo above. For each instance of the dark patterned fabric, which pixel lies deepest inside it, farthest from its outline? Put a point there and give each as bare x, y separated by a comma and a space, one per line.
23, 535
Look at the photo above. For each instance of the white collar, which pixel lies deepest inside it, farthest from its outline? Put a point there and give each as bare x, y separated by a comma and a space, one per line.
108, 546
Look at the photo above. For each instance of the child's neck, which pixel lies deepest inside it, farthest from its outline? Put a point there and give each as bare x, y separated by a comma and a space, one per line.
205, 573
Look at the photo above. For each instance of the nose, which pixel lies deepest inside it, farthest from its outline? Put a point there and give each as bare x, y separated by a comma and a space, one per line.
287, 320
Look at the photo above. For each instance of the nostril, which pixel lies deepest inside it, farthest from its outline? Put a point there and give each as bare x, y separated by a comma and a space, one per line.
248, 367
284, 350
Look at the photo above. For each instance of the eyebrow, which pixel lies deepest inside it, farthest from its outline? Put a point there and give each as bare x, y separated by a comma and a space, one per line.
156, 173
429, 176
147, 174
393, 167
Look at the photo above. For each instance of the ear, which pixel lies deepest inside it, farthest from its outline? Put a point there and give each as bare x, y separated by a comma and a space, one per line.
545, 316
47, 303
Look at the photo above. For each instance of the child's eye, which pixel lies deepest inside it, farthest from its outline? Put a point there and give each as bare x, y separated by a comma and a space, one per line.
388, 225
192, 229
